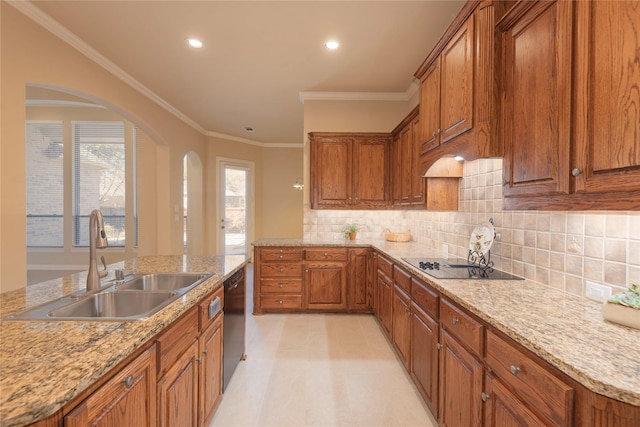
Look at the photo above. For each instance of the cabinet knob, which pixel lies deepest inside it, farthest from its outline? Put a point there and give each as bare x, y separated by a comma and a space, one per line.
281, 286
307, 270
199, 360
455, 320
439, 346
484, 396
281, 256
515, 370
205, 352
280, 302
434, 134
326, 254
281, 270
505, 182
576, 171
128, 381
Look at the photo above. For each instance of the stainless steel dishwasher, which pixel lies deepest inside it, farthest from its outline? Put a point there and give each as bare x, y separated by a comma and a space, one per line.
234, 324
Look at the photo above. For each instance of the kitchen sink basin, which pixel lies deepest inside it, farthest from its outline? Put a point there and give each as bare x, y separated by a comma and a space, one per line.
162, 281
115, 305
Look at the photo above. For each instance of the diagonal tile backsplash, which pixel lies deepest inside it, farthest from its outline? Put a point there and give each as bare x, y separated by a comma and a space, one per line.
555, 248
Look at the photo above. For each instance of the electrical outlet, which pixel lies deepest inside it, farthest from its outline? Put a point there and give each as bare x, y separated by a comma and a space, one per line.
597, 292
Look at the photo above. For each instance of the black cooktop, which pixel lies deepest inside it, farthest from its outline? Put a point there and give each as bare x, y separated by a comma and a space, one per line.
457, 268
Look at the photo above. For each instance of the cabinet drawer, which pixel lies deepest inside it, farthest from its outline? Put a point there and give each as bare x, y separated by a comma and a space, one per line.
462, 326
281, 254
402, 278
325, 254
533, 383
281, 269
285, 302
385, 266
424, 297
280, 286
210, 308
176, 339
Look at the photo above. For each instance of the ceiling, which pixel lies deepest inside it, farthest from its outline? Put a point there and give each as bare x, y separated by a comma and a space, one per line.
258, 56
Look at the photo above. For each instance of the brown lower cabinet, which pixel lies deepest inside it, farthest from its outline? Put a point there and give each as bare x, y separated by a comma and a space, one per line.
177, 381
127, 399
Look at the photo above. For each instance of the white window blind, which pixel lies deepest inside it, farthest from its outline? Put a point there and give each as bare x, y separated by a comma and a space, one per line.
44, 183
99, 179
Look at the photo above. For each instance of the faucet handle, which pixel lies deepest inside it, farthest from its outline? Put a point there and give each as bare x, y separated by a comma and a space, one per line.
119, 274
104, 272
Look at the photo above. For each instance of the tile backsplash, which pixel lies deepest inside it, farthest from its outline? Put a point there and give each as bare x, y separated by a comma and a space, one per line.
555, 248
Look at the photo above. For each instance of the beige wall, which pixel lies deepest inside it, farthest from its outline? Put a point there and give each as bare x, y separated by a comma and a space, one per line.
30, 54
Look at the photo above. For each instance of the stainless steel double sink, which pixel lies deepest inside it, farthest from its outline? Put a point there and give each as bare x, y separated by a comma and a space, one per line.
133, 298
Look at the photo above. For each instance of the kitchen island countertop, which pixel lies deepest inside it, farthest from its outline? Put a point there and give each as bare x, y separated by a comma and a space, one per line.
45, 364
565, 330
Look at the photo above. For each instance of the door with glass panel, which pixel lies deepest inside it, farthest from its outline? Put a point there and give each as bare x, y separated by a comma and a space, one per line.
235, 206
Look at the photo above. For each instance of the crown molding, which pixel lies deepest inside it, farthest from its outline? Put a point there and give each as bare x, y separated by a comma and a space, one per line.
252, 142
60, 103
359, 96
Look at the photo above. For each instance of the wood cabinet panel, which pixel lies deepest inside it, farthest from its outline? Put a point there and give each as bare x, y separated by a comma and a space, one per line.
281, 270
325, 285
430, 108
424, 297
359, 284
424, 356
384, 265
280, 286
385, 302
504, 410
350, 170
175, 339
548, 395
210, 375
278, 279
461, 325
417, 180
178, 391
281, 302
460, 385
402, 278
217, 298
536, 133
281, 254
326, 254
607, 146
456, 85
402, 325
128, 399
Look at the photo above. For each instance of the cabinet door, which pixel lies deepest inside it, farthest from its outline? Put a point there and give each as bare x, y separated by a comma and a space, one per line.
536, 106
210, 377
359, 285
371, 164
503, 409
402, 326
417, 181
456, 86
385, 303
607, 142
460, 385
326, 285
424, 357
396, 171
430, 108
178, 391
127, 400
406, 162
331, 172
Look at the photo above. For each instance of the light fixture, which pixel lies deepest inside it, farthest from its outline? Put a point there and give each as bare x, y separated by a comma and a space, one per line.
459, 158
298, 184
194, 43
249, 129
332, 44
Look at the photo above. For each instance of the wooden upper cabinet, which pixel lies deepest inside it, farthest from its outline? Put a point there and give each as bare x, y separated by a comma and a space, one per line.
430, 108
537, 99
350, 170
570, 116
607, 145
456, 84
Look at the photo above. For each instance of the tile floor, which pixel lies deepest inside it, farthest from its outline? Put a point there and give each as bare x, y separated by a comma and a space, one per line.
320, 370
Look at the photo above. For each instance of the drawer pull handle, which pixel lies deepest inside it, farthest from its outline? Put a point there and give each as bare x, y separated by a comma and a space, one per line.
281, 285
455, 320
406, 310
199, 360
515, 370
485, 396
128, 381
205, 352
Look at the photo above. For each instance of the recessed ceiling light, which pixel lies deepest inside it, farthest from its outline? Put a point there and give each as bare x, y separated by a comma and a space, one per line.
194, 43
332, 44
249, 129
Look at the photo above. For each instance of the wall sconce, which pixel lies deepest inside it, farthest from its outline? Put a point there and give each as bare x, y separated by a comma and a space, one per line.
298, 184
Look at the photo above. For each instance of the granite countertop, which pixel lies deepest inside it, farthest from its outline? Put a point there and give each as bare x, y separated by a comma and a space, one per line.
45, 364
565, 330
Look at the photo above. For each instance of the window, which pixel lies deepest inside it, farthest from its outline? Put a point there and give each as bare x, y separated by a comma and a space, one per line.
45, 183
99, 179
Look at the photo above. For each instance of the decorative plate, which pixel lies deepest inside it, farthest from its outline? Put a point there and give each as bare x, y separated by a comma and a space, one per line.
482, 238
